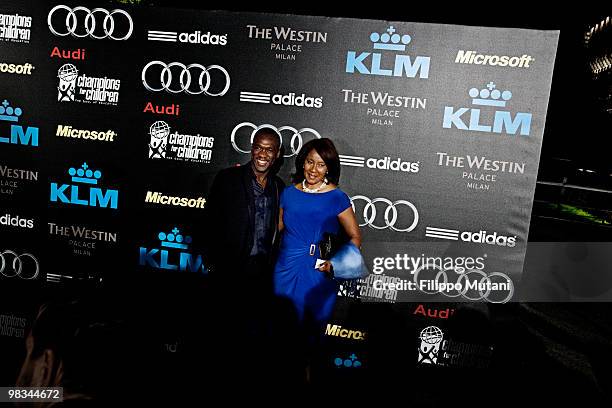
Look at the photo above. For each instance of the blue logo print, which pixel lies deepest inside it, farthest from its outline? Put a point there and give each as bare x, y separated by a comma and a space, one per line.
350, 362
174, 246
84, 179
503, 122
29, 136
403, 64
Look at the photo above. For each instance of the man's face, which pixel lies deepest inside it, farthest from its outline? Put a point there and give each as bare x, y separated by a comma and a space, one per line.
264, 152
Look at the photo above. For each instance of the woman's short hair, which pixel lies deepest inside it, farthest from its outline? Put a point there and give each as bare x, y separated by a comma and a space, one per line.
326, 149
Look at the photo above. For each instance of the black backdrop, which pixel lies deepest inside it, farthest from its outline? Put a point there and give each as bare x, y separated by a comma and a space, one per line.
162, 312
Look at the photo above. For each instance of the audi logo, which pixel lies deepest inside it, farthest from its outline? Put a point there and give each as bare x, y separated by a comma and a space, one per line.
13, 265
185, 79
296, 136
390, 214
462, 280
108, 24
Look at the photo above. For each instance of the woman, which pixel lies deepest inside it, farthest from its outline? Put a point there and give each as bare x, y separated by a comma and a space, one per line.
310, 207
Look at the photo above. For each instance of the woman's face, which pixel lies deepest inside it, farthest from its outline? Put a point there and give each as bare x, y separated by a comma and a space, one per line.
315, 168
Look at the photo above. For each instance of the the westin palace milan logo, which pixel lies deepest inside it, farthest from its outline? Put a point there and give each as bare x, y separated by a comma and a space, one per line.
431, 340
98, 23
503, 122
403, 65
193, 79
18, 135
85, 179
174, 247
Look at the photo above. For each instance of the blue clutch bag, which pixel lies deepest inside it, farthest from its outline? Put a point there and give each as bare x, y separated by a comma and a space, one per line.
348, 263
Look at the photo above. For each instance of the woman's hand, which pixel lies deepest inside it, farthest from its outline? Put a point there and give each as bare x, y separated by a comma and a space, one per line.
326, 267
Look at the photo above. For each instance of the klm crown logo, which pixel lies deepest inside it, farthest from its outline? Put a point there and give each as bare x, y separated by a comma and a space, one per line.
29, 136
84, 179
403, 65
174, 246
503, 121
174, 240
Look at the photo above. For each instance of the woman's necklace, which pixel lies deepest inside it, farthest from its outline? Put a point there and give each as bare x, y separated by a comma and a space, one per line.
313, 190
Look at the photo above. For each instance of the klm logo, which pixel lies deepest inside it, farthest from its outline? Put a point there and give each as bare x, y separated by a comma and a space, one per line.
19, 135
84, 192
172, 255
370, 63
503, 121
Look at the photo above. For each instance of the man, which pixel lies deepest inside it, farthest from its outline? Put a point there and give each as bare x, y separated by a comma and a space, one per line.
241, 230
241, 222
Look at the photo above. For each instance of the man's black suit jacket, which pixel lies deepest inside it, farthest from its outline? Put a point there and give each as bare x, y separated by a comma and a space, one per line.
230, 219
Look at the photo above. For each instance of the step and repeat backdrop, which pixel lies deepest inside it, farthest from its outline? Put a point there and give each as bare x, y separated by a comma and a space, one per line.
114, 122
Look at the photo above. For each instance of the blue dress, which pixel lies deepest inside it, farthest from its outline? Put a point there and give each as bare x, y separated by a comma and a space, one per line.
306, 216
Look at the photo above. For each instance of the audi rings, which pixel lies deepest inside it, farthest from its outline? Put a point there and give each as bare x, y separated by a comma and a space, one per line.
108, 24
185, 78
369, 213
295, 138
16, 267
461, 287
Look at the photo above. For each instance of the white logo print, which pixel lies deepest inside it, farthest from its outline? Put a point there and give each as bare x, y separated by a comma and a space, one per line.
390, 214
296, 137
14, 265
90, 21
185, 78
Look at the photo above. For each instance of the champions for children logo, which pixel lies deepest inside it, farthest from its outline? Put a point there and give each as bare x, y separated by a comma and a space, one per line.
437, 349
18, 135
173, 254
82, 88
381, 64
431, 340
164, 144
15, 28
496, 121
84, 191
